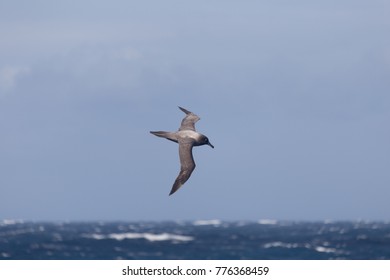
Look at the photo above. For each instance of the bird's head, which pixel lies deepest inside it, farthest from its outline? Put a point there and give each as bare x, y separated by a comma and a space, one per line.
205, 141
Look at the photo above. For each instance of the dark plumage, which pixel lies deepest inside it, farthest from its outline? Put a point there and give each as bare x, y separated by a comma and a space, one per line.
187, 137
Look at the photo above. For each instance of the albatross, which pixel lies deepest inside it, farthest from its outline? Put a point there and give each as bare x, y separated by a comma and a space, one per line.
187, 137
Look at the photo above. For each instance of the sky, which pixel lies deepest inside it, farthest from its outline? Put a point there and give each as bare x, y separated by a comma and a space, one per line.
294, 95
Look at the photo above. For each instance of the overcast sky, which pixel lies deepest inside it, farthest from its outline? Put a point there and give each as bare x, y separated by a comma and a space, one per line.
294, 95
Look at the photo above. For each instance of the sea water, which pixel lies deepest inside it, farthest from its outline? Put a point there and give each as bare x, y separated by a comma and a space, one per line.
202, 239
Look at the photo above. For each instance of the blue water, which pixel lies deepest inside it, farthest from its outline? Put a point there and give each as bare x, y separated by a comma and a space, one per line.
195, 240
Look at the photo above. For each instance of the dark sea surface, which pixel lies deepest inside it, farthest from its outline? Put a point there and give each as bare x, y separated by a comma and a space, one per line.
214, 239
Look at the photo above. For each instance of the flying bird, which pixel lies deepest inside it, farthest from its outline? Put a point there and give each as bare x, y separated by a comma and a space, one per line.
187, 137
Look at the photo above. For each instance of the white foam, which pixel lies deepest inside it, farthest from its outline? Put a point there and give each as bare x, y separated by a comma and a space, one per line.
325, 250
7, 222
96, 236
280, 244
320, 249
362, 236
148, 236
207, 223
267, 222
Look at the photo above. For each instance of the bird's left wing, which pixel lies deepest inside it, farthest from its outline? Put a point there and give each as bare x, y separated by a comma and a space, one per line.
188, 123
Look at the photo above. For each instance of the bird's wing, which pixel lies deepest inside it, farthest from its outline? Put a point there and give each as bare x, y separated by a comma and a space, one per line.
188, 123
187, 164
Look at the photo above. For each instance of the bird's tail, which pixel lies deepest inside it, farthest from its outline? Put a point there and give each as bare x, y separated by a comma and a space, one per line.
164, 134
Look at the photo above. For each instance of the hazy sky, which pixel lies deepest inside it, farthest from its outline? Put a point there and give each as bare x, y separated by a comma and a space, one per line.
295, 96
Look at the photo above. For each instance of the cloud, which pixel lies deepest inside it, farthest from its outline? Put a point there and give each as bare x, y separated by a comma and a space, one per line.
128, 54
9, 76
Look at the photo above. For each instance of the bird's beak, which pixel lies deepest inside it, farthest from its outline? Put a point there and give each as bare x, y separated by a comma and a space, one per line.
210, 145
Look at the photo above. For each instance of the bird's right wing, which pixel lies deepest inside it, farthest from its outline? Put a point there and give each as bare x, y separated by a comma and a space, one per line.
187, 164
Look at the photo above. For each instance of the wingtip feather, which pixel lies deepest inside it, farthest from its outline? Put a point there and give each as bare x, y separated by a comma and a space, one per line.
184, 110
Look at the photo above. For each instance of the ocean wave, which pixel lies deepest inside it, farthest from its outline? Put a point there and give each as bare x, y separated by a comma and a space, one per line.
148, 236
7, 222
327, 250
5, 255
281, 244
17, 232
320, 249
267, 222
207, 222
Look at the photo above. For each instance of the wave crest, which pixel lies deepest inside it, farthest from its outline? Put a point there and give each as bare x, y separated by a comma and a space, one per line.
148, 236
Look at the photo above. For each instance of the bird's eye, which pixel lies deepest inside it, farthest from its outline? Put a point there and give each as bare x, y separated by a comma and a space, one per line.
206, 140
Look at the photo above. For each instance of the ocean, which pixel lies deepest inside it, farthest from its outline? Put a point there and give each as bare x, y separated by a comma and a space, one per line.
202, 239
